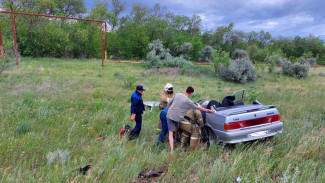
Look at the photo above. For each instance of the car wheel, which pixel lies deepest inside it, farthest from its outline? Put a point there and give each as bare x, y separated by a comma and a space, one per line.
212, 138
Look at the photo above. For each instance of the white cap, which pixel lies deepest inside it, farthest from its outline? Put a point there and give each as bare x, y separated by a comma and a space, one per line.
168, 86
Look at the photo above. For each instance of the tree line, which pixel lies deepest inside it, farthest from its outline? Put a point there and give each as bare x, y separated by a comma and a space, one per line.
130, 32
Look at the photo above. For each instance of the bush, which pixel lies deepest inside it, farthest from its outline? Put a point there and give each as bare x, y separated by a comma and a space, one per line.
297, 70
177, 62
272, 60
239, 70
239, 54
185, 49
321, 61
23, 127
158, 49
251, 96
206, 54
310, 61
153, 61
160, 57
97, 93
220, 57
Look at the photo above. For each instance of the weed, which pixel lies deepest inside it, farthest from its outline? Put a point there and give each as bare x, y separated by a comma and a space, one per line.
251, 96
129, 82
23, 127
116, 74
97, 93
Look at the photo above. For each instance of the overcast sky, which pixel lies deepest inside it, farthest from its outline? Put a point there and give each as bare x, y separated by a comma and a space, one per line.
279, 17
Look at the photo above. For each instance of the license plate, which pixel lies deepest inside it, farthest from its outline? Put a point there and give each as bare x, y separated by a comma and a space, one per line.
257, 134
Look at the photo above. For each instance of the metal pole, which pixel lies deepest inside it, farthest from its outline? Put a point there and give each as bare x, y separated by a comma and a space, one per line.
101, 39
105, 41
15, 41
1, 44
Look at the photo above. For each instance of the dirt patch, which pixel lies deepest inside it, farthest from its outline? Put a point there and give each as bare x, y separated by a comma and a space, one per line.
154, 175
322, 131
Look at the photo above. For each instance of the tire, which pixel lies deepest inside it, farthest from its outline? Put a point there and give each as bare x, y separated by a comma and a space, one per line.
212, 138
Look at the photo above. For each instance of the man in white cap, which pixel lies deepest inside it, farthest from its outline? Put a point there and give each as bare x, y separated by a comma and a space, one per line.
165, 95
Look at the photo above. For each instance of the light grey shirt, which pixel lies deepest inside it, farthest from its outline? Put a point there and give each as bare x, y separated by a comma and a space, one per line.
179, 105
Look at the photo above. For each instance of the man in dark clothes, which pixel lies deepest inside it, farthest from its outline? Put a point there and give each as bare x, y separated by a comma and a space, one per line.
137, 109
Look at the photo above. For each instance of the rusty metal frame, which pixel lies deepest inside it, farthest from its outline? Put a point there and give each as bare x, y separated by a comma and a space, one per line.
101, 22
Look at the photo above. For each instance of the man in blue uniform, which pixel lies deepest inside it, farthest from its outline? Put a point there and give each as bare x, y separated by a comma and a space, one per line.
137, 109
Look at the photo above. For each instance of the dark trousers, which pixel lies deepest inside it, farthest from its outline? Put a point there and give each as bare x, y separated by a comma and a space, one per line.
138, 121
164, 129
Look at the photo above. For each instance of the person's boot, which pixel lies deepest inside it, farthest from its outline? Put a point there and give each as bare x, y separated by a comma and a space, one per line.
132, 135
159, 142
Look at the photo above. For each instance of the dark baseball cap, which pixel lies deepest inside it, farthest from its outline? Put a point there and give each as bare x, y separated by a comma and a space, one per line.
140, 87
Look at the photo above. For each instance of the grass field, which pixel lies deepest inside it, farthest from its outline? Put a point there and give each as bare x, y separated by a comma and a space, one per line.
55, 104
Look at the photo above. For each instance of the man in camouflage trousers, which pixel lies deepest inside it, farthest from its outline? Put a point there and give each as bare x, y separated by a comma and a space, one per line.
190, 129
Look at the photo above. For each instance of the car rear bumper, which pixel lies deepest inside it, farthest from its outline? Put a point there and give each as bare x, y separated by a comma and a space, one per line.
249, 133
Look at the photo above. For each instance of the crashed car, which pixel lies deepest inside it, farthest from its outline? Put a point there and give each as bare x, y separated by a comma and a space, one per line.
234, 122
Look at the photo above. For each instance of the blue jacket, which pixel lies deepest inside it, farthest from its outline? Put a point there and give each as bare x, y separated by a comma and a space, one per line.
137, 106
165, 110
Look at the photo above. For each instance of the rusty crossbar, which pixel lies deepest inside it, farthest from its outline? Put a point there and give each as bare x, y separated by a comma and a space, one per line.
101, 22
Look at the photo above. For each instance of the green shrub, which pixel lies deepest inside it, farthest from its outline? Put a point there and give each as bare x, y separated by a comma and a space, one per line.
251, 96
239, 54
206, 54
153, 61
239, 70
220, 57
116, 74
159, 57
97, 93
156, 47
297, 70
177, 62
310, 61
321, 61
272, 60
23, 127
184, 50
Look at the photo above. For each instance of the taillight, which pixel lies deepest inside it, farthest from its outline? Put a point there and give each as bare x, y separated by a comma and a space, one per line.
251, 122
236, 125
275, 118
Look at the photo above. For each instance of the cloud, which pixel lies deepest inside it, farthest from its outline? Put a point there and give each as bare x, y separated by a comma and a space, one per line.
265, 3
317, 30
281, 25
210, 20
286, 17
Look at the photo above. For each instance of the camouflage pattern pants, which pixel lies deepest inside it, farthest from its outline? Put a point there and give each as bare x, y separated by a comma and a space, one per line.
190, 131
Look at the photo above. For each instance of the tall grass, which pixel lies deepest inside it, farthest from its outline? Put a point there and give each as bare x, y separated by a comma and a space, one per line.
50, 104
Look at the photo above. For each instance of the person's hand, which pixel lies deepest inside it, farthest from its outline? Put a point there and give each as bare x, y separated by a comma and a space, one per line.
132, 118
211, 111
